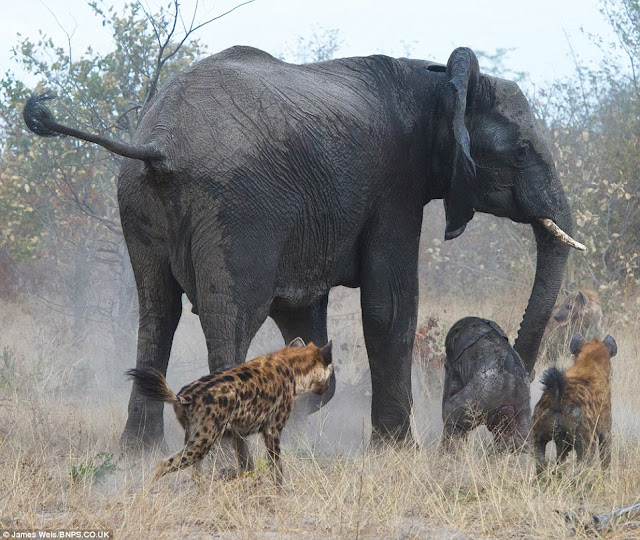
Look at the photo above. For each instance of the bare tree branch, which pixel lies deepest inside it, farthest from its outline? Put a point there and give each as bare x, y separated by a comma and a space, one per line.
69, 36
162, 58
191, 30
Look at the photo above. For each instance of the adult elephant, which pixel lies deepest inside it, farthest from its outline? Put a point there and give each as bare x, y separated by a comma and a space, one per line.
254, 186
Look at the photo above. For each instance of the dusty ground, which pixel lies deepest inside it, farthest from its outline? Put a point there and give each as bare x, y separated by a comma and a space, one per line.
63, 405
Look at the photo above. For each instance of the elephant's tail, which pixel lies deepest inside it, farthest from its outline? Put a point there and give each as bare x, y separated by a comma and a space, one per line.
154, 386
41, 121
555, 383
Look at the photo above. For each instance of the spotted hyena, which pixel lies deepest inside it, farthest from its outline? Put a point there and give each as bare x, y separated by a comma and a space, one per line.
254, 397
575, 408
579, 312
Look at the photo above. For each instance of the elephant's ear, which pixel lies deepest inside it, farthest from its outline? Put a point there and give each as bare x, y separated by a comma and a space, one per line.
463, 74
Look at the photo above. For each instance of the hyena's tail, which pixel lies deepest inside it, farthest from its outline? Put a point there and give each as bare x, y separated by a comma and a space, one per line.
554, 382
154, 386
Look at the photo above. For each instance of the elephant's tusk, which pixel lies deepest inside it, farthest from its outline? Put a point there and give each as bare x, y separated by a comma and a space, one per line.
560, 234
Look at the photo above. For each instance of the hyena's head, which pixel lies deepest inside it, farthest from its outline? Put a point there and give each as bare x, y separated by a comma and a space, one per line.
575, 307
312, 367
595, 354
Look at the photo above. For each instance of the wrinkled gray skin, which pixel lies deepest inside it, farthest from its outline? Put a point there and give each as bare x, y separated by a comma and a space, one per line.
485, 383
255, 186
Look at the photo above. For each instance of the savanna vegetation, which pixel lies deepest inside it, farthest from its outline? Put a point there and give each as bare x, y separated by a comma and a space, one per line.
68, 317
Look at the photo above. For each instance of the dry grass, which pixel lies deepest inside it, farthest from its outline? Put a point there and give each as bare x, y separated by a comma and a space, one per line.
54, 472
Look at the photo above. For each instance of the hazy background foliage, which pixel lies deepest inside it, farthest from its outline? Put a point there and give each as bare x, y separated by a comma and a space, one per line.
68, 315
61, 244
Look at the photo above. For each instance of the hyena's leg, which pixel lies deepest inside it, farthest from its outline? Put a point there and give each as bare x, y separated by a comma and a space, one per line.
193, 452
245, 461
604, 440
271, 438
581, 450
196, 472
585, 449
540, 445
562, 450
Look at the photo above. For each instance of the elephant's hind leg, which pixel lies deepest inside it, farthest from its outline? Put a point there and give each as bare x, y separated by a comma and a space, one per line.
159, 297
234, 292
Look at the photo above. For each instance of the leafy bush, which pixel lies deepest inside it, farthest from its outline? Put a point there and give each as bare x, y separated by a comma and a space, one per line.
101, 464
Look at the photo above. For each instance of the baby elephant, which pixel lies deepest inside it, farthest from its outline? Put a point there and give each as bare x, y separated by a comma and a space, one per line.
575, 408
485, 383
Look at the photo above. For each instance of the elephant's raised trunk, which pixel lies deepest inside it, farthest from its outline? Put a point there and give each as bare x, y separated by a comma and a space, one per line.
551, 260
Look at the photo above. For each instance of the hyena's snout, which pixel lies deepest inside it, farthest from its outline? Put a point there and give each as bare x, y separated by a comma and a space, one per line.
322, 386
561, 315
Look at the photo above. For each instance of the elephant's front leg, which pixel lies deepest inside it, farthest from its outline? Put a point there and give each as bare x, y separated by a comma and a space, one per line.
389, 300
461, 412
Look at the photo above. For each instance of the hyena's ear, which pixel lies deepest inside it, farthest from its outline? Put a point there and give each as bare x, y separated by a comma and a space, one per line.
298, 342
611, 345
582, 298
577, 341
325, 353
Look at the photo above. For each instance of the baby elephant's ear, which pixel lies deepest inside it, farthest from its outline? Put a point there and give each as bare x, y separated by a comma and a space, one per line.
611, 345
298, 342
577, 341
325, 353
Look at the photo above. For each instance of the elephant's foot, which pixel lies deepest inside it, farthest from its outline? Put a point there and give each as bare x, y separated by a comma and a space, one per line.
147, 438
144, 430
227, 474
397, 434
132, 445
